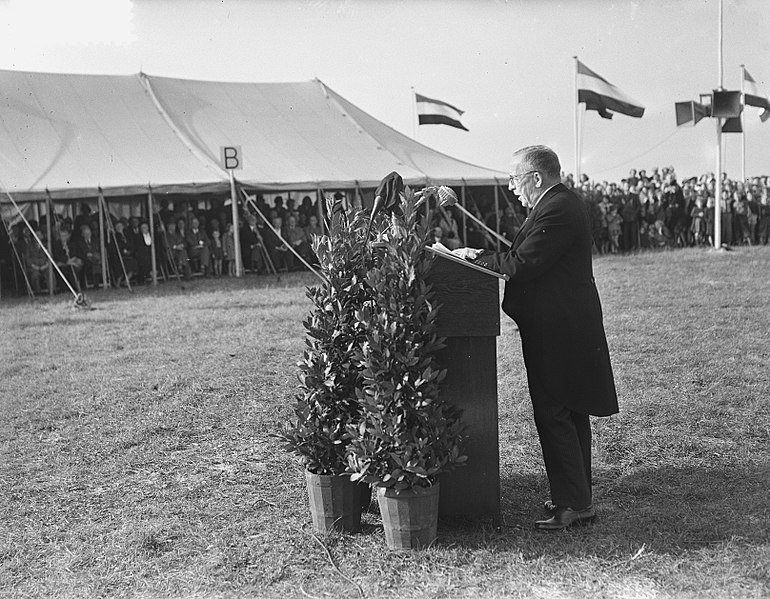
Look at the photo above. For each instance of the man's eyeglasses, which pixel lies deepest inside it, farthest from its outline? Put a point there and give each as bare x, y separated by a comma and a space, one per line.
514, 179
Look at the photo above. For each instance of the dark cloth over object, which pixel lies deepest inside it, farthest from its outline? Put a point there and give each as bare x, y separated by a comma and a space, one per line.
390, 189
552, 297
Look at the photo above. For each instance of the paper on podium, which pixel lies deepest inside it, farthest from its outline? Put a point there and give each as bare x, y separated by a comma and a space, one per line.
439, 249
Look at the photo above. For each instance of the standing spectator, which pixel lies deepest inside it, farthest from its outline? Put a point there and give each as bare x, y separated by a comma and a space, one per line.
631, 214
698, 222
614, 222
144, 248
764, 219
229, 250
217, 251
740, 219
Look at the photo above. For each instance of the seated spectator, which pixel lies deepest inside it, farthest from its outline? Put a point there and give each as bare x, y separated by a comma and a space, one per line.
87, 249
120, 255
298, 240
198, 248
175, 233
35, 261
275, 247
251, 245
509, 223
69, 264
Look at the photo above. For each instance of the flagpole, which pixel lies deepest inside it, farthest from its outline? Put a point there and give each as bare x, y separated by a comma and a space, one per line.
414, 114
576, 129
743, 124
718, 182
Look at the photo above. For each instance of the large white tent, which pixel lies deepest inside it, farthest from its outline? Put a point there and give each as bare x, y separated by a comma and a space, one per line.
70, 135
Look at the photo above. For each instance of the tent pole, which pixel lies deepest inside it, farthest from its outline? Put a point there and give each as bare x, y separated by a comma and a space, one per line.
49, 235
102, 248
465, 220
497, 214
153, 260
236, 226
320, 207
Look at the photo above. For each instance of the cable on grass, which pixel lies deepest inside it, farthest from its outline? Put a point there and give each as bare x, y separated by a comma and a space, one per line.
334, 565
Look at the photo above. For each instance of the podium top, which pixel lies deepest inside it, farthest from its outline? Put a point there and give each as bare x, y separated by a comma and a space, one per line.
466, 263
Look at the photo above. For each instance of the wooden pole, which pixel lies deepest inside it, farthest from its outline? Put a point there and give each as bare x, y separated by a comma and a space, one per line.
743, 124
102, 247
49, 235
497, 215
153, 261
576, 127
718, 182
464, 211
236, 227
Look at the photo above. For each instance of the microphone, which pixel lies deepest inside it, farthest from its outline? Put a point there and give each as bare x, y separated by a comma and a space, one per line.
446, 195
378, 203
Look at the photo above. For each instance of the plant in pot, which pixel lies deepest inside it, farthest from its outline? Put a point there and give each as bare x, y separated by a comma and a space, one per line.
326, 406
405, 436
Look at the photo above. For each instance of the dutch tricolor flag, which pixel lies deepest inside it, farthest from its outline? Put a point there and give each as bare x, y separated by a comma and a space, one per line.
437, 112
599, 94
753, 96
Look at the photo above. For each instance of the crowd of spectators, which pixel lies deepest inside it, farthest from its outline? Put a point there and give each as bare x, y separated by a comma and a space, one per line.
186, 243
656, 210
644, 211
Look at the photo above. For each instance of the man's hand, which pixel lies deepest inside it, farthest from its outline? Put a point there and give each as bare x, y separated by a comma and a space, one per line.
467, 253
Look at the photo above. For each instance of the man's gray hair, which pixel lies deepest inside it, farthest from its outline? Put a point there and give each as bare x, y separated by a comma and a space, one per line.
542, 159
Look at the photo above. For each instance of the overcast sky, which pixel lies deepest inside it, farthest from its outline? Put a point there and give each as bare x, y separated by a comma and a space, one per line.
508, 65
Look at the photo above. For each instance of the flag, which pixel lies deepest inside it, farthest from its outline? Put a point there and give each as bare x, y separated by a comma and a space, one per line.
599, 94
752, 96
436, 112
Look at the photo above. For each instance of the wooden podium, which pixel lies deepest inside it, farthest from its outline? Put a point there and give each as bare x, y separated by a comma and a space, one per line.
469, 318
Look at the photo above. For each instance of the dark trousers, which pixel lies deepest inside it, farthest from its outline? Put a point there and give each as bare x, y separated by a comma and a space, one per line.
565, 438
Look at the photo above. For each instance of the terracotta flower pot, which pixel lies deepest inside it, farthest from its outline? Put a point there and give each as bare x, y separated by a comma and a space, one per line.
335, 502
410, 518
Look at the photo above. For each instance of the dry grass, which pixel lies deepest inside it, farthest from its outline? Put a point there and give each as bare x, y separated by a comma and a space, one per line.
136, 457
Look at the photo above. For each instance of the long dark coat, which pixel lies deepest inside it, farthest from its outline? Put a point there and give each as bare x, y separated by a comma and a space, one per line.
553, 299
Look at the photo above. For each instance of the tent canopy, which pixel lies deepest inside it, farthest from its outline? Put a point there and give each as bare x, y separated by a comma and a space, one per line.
74, 134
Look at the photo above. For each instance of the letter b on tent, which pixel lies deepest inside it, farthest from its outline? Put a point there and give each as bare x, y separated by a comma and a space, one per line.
231, 157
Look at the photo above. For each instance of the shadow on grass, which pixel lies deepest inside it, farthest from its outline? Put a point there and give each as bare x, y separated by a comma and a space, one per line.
667, 509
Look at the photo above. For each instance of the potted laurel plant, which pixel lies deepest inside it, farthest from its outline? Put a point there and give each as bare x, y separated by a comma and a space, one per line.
326, 407
405, 435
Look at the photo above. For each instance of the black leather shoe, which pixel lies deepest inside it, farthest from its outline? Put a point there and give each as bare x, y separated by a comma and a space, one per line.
565, 517
550, 507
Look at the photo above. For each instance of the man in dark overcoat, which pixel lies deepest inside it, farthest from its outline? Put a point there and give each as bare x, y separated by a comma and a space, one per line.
552, 297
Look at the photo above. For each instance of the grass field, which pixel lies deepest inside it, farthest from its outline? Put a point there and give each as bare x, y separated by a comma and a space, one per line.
136, 456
